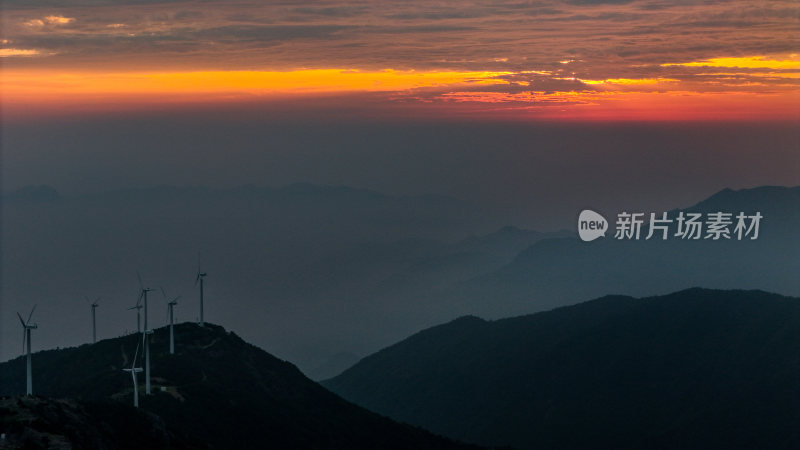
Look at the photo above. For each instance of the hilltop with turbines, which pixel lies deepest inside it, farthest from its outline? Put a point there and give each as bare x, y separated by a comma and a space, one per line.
204, 388
141, 304
216, 391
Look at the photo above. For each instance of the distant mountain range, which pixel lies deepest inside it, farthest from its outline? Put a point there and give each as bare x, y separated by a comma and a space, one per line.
329, 270
556, 272
335, 365
697, 369
216, 392
306, 262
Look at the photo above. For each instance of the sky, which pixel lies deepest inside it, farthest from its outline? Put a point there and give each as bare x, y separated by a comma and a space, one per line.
500, 102
509, 60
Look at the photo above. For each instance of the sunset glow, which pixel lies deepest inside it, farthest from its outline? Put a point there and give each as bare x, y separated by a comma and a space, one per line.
417, 56
751, 62
31, 85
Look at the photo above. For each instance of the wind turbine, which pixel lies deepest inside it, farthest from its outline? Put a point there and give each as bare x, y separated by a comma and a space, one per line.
199, 279
134, 370
94, 324
138, 308
26, 338
170, 306
147, 331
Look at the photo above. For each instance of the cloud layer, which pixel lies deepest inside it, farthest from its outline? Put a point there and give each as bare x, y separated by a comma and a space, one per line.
530, 50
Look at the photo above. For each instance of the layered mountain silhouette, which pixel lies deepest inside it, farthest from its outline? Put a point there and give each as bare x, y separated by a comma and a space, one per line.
217, 391
696, 369
331, 270
306, 261
337, 364
556, 272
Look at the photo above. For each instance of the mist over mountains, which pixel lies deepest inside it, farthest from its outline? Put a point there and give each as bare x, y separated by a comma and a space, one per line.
556, 272
312, 272
297, 269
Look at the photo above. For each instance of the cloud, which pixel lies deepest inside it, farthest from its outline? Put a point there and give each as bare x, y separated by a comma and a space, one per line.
630, 81
34, 23
331, 11
544, 46
748, 62
188, 15
58, 20
48, 20
598, 2
8, 52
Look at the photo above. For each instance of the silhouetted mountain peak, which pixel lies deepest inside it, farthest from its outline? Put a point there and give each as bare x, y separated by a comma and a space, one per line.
463, 323
698, 368
216, 389
780, 199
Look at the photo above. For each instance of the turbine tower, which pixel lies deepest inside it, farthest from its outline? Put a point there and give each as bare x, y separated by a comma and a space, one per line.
134, 370
146, 332
138, 308
170, 307
94, 323
199, 279
26, 339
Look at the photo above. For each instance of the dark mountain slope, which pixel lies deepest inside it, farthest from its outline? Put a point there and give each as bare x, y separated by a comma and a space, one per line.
217, 389
42, 423
698, 369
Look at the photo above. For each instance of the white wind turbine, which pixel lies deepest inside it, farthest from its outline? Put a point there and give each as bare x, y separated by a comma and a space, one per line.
146, 333
138, 308
170, 307
134, 370
94, 323
26, 338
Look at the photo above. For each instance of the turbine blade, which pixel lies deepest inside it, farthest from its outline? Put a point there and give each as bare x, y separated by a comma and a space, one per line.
31, 314
21, 320
139, 276
135, 355
164, 294
197, 278
87, 298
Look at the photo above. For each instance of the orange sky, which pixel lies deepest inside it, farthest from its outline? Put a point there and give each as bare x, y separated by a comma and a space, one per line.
584, 60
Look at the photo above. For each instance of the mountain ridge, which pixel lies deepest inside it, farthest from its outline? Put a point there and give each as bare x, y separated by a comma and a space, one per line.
556, 271
218, 390
682, 370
